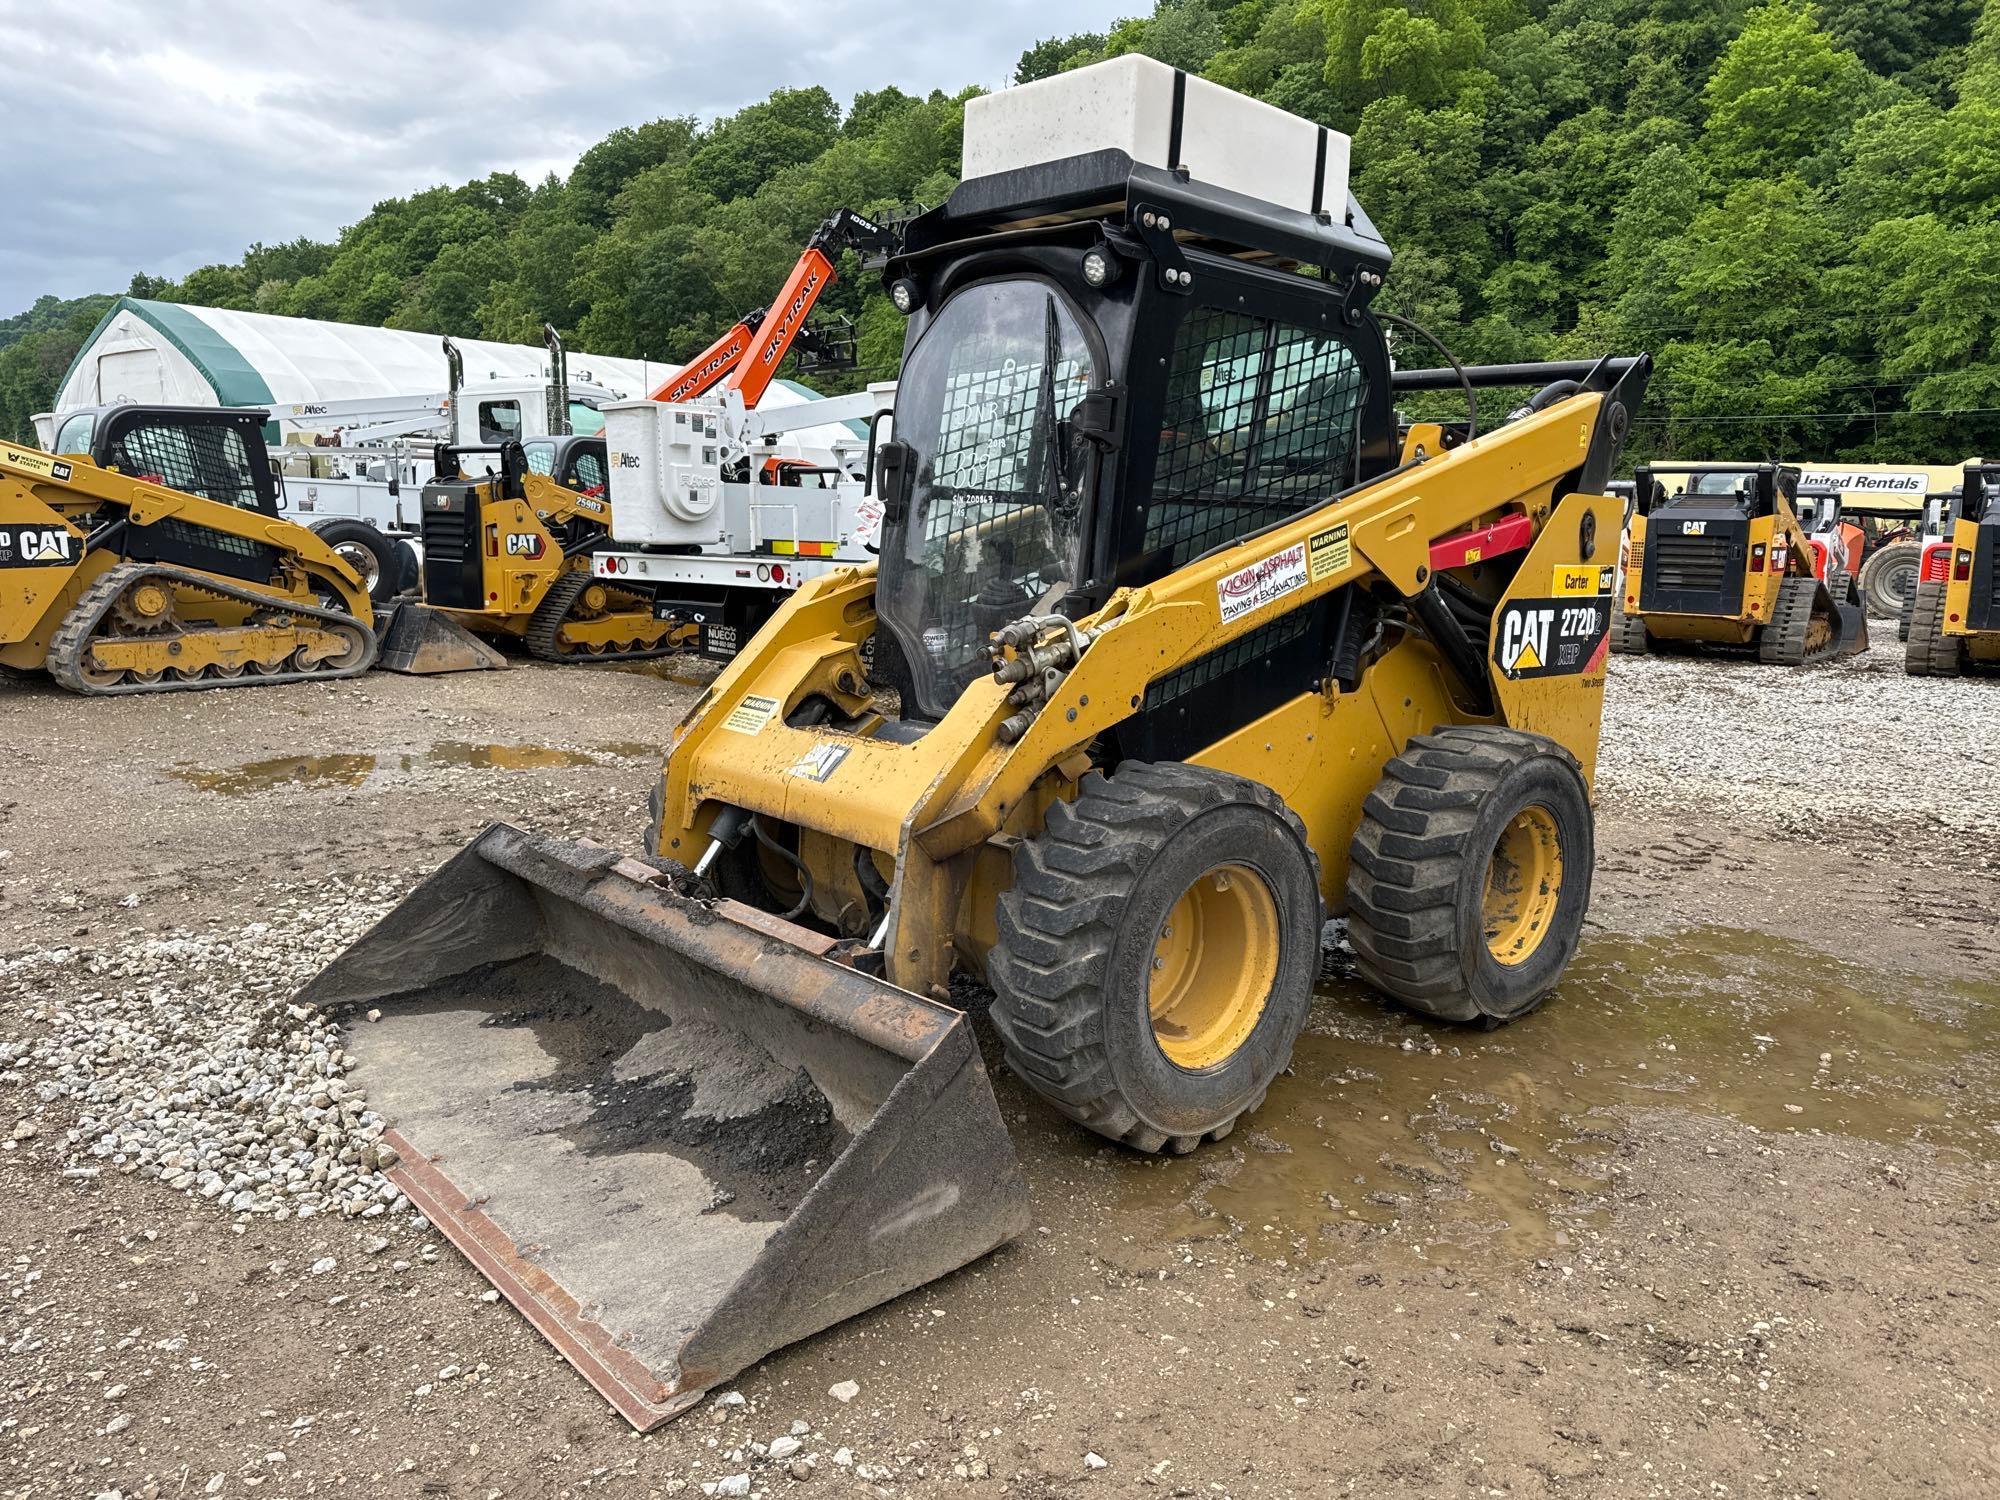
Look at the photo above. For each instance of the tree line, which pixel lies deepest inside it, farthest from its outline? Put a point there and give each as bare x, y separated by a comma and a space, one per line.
1794, 206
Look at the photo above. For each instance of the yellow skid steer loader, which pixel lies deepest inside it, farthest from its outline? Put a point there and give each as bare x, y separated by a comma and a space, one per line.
160, 562
1179, 642
507, 555
1955, 620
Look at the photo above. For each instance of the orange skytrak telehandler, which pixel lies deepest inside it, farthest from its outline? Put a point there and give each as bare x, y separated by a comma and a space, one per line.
1179, 641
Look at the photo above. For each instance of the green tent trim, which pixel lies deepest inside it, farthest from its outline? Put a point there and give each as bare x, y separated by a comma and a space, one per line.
233, 378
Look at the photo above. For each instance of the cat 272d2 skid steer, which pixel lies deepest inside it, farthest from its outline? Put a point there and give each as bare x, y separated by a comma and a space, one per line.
1178, 642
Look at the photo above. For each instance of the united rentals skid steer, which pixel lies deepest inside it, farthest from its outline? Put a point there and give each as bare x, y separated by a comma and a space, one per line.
1955, 620
161, 562
1726, 564
1178, 642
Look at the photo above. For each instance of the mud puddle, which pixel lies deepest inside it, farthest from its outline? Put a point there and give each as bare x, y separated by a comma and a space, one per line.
1450, 1140
253, 777
288, 770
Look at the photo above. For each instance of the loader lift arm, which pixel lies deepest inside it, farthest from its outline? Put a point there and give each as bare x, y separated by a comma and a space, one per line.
748, 357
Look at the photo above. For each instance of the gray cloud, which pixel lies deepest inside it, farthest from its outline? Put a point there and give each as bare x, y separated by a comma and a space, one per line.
151, 137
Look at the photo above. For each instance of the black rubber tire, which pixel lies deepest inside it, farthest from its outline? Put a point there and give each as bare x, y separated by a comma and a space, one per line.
1071, 970
345, 531
408, 569
1929, 652
1903, 618
1889, 578
1417, 871
1628, 634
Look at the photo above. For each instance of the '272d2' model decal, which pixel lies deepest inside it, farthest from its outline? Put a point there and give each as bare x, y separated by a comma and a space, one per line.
1551, 637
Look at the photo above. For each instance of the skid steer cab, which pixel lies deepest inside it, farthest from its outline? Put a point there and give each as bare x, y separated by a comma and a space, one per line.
1179, 641
509, 530
1955, 617
1724, 558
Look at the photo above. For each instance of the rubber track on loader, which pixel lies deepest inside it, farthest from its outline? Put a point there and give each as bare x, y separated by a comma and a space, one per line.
1628, 634
73, 637
1928, 651
545, 626
1784, 640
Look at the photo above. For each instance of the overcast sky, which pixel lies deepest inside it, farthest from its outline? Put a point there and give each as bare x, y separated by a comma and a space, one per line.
160, 137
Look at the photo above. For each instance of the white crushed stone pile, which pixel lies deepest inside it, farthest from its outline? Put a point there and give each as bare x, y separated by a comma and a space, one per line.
1852, 753
188, 1064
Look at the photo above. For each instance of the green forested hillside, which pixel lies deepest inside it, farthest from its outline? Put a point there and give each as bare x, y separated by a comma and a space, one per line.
1796, 206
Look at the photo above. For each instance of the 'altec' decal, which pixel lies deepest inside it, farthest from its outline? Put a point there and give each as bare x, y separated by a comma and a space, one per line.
37, 546
1264, 582
1550, 637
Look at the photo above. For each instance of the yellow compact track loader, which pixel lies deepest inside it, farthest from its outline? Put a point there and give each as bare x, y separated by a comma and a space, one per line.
1179, 642
1955, 620
162, 562
507, 554
1726, 564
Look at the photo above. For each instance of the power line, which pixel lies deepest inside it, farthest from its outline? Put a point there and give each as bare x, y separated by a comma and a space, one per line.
1828, 416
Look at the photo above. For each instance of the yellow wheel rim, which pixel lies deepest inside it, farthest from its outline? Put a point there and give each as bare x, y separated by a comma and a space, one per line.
1214, 960
149, 599
1523, 884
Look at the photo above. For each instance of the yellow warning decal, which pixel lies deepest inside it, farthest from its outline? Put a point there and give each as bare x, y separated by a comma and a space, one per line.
1328, 552
752, 714
1574, 580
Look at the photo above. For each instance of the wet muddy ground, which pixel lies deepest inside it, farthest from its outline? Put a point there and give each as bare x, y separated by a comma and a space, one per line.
1720, 1219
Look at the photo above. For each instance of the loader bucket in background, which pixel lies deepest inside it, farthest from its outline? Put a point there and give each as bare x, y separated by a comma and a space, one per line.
674, 1134
1851, 620
421, 642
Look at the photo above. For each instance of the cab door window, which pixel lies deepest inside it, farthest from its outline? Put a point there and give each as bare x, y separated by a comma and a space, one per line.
499, 421
586, 472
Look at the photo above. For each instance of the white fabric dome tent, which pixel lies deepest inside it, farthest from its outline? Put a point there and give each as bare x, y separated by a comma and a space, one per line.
170, 352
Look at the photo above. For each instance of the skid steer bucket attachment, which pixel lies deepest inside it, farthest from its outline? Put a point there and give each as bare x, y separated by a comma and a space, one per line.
420, 642
1851, 620
674, 1133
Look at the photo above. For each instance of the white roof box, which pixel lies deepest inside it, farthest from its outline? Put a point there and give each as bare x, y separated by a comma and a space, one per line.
1160, 117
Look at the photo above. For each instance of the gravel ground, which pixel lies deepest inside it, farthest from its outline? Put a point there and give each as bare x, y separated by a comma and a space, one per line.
1714, 1222
1852, 752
